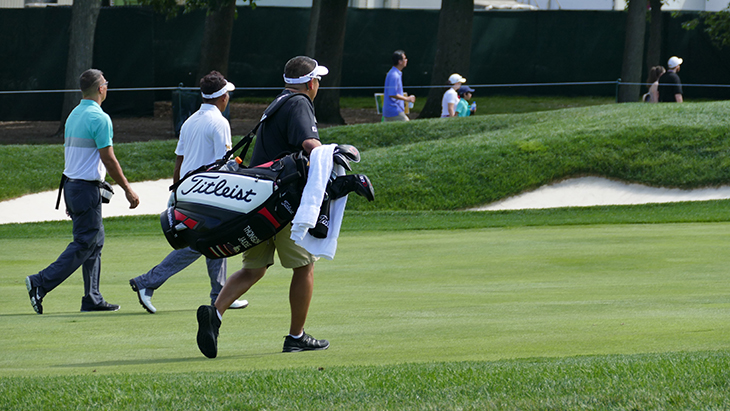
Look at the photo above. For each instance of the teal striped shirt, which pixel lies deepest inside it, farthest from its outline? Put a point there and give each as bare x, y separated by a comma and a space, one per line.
88, 129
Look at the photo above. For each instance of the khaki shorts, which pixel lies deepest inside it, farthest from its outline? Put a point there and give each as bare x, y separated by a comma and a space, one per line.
400, 117
290, 254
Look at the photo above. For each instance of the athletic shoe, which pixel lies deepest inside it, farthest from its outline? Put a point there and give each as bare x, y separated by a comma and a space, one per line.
35, 299
208, 326
103, 306
305, 343
238, 304
144, 295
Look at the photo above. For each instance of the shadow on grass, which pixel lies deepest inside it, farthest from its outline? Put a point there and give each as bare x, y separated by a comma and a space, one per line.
148, 361
76, 314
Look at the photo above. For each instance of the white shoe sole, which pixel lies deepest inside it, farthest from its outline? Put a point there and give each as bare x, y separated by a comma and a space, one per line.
238, 304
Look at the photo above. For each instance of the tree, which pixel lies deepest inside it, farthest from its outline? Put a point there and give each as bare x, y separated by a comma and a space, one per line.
216, 46
716, 25
631, 69
654, 48
84, 14
326, 43
453, 50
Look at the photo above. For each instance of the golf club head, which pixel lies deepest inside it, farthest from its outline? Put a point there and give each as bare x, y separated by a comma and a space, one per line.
343, 161
349, 152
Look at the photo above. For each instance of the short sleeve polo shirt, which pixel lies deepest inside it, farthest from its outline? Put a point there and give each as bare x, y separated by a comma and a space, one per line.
393, 86
286, 130
88, 129
204, 138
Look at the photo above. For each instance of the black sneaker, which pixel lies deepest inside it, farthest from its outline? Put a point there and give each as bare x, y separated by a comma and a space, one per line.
104, 306
305, 343
208, 326
35, 299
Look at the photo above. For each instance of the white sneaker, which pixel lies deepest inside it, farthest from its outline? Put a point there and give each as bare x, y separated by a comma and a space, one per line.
239, 304
145, 297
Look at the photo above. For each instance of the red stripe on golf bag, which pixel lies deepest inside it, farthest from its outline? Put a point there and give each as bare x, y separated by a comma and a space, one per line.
269, 217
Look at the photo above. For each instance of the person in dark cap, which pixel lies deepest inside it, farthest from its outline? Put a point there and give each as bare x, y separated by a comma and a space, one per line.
462, 107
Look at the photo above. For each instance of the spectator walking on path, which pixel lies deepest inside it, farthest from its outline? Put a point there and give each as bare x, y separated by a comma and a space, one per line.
204, 138
652, 96
451, 96
463, 109
88, 155
394, 100
670, 87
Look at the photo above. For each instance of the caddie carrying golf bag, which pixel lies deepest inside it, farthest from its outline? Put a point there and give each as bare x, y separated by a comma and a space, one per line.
222, 209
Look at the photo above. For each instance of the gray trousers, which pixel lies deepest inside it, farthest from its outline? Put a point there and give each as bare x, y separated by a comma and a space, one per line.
177, 261
83, 203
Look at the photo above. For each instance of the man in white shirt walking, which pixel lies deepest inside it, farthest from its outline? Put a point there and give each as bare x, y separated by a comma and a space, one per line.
204, 138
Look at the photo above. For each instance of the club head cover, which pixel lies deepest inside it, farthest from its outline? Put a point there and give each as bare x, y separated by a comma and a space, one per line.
359, 183
348, 151
343, 161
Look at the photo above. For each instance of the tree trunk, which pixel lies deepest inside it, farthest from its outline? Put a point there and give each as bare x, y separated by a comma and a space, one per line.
84, 14
327, 42
313, 24
654, 50
631, 69
216, 46
453, 50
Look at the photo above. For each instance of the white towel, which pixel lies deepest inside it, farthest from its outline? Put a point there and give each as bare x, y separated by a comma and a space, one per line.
320, 169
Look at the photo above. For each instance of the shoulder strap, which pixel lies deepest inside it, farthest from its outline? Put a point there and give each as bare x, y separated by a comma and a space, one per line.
246, 141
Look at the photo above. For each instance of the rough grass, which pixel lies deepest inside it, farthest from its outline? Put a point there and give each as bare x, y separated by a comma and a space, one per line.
670, 381
459, 163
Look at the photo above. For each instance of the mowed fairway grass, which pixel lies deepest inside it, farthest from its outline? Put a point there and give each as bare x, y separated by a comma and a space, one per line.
542, 312
426, 306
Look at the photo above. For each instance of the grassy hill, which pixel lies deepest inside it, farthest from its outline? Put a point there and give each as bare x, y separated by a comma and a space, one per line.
452, 164
458, 163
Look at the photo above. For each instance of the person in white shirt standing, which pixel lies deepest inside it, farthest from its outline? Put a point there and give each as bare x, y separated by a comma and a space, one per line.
451, 96
204, 138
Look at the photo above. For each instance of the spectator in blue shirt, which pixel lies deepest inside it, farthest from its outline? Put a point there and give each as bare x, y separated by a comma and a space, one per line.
394, 100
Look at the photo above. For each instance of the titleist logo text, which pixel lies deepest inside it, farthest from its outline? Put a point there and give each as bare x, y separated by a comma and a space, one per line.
212, 185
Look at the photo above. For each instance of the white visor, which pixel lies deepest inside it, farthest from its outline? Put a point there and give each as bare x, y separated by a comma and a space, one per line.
317, 73
228, 87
